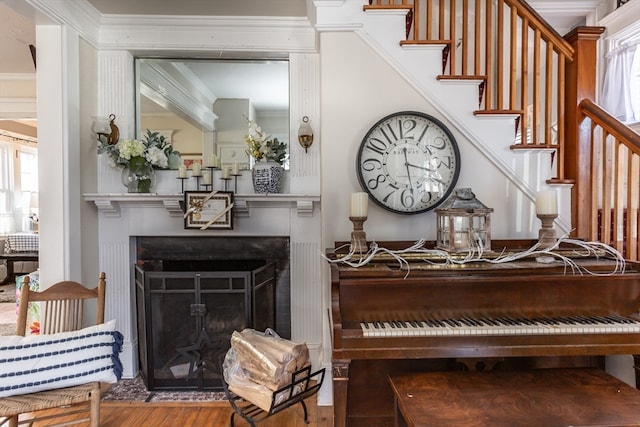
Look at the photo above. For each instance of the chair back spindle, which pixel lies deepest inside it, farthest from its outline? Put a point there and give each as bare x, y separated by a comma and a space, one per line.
63, 305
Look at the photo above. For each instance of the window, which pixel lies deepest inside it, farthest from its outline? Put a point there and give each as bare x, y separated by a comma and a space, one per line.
621, 89
18, 186
6, 172
620, 94
28, 161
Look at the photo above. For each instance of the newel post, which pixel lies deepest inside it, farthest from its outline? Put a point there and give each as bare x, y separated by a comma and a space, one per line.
580, 80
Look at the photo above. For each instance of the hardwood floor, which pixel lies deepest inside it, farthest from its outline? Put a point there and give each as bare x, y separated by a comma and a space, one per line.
187, 414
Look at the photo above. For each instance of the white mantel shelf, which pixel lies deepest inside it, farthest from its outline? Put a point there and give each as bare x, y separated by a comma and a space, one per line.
109, 204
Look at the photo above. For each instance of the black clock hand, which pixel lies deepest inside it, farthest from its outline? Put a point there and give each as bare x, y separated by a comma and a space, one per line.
421, 167
406, 164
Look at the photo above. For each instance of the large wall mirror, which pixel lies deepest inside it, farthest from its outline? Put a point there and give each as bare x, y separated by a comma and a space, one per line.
201, 105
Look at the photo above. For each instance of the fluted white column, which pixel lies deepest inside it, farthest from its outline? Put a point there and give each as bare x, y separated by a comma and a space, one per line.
304, 86
116, 95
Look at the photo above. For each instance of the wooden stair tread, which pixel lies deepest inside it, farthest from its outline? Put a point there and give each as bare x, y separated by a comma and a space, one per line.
424, 42
496, 112
450, 77
536, 146
387, 7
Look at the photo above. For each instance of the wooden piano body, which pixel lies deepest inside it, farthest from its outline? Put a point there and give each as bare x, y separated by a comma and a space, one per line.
525, 289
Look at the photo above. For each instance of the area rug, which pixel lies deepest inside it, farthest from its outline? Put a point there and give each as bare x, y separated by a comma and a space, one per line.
7, 329
134, 390
8, 292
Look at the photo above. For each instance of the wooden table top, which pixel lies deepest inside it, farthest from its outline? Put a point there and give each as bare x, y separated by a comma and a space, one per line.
543, 397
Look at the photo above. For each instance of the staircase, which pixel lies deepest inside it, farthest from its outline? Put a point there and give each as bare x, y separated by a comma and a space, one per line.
534, 86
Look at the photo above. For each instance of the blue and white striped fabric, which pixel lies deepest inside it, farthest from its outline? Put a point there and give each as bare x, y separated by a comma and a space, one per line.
44, 362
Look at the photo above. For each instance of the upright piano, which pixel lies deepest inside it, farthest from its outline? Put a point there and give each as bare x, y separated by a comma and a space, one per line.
534, 312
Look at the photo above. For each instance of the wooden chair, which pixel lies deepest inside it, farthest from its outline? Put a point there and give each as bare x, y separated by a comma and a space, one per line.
63, 310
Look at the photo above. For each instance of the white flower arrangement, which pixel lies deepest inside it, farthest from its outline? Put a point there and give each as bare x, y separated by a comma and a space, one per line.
260, 146
154, 150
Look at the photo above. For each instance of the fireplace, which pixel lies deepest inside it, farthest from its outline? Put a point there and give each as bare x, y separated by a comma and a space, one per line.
283, 228
193, 292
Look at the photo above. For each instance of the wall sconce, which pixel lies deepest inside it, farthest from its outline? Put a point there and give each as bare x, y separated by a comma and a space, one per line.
305, 133
464, 223
109, 131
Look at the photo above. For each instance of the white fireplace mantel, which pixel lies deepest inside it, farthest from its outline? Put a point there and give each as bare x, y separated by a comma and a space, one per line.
109, 204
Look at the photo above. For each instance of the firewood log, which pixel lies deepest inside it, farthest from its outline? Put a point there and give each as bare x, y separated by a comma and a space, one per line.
267, 358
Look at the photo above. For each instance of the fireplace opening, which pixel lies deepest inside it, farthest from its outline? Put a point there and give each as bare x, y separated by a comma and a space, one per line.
188, 308
188, 312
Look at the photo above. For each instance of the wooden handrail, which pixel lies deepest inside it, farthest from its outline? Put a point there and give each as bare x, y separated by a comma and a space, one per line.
609, 211
611, 125
538, 23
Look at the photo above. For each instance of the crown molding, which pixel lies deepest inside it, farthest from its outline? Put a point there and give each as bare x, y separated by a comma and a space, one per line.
78, 14
162, 34
157, 84
211, 36
583, 7
622, 22
17, 76
18, 108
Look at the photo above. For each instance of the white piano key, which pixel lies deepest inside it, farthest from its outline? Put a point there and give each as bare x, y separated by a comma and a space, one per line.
501, 326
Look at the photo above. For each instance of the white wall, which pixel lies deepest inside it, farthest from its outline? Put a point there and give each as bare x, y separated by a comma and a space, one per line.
353, 99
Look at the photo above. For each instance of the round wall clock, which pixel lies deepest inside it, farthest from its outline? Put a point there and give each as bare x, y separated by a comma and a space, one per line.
408, 162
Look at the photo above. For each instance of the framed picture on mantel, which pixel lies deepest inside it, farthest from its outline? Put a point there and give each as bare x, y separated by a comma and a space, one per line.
206, 210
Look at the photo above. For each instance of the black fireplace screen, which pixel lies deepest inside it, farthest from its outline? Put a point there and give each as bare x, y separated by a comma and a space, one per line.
187, 311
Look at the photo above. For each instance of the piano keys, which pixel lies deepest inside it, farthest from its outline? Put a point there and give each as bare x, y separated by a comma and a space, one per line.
386, 318
501, 326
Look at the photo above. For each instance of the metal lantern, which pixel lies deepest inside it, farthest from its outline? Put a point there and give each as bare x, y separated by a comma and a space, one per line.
464, 223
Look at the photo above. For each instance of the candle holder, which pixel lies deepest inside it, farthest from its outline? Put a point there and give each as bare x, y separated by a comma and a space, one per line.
197, 177
235, 181
226, 182
358, 236
547, 234
182, 178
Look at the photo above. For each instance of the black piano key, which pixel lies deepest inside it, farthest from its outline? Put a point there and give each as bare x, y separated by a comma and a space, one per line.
451, 323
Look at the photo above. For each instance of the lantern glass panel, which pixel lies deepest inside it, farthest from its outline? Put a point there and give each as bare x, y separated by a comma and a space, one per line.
479, 223
460, 223
460, 239
481, 238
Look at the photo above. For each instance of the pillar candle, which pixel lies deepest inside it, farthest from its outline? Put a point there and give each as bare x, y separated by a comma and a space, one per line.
359, 204
212, 161
546, 203
225, 173
195, 169
182, 171
235, 168
206, 178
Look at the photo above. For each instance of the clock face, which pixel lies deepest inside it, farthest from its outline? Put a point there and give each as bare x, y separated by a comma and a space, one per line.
408, 162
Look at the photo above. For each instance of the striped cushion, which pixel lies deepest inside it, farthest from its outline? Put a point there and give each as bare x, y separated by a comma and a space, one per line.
44, 362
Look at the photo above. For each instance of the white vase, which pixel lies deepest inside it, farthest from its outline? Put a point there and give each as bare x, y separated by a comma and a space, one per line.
267, 177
